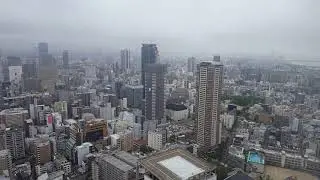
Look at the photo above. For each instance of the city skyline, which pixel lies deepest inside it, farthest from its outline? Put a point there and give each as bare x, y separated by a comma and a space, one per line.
285, 27
158, 90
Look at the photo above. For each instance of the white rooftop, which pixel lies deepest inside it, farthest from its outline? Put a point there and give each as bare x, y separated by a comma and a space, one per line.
181, 167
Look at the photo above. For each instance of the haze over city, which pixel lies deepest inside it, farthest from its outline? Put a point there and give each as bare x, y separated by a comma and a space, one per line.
287, 27
159, 90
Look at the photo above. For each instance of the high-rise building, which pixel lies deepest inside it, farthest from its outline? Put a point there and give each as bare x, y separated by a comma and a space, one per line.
47, 69
154, 92
42, 151
106, 166
30, 75
134, 96
149, 55
209, 84
14, 61
13, 117
157, 139
14, 138
81, 151
126, 140
125, 60
191, 64
5, 162
65, 59
118, 87
75, 138
43, 48
94, 130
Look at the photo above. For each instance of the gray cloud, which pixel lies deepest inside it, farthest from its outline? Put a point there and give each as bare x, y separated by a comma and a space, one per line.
250, 26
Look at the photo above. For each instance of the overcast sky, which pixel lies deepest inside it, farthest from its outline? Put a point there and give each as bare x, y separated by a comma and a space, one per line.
212, 26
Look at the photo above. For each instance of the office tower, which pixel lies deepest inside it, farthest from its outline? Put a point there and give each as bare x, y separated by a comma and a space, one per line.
13, 117
15, 74
118, 86
157, 139
48, 71
126, 140
149, 55
85, 98
30, 75
14, 138
90, 74
65, 59
95, 130
191, 64
43, 53
209, 84
154, 92
14, 61
2, 137
62, 108
125, 60
43, 48
41, 149
75, 138
134, 96
2, 69
5, 162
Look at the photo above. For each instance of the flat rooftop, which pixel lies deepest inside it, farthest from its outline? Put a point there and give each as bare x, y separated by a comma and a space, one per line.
175, 164
181, 167
127, 157
117, 163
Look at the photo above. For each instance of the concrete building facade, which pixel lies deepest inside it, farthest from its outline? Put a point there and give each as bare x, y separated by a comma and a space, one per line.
209, 85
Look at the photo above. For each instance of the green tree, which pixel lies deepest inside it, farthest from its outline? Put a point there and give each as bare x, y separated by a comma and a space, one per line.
172, 138
145, 149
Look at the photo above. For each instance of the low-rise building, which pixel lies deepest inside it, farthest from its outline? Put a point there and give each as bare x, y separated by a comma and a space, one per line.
63, 164
109, 167
156, 139
176, 164
177, 112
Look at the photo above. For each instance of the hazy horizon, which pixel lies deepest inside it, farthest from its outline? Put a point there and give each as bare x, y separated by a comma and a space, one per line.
286, 27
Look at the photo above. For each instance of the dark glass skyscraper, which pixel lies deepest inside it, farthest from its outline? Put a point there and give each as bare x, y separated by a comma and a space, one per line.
154, 92
149, 55
65, 59
43, 52
43, 48
125, 60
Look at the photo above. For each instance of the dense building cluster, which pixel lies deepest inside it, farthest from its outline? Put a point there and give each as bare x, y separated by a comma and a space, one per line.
139, 117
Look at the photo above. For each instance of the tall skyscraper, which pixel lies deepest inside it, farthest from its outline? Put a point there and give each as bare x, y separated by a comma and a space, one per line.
41, 149
191, 64
48, 71
125, 60
154, 92
43, 48
209, 84
149, 55
43, 52
14, 138
5, 161
65, 59
30, 75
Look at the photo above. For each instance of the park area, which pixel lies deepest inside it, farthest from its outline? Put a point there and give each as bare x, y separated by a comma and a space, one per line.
277, 173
